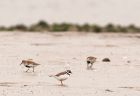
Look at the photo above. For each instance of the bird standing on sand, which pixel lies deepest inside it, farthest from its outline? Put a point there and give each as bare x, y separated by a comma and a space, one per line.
29, 63
62, 76
90, 61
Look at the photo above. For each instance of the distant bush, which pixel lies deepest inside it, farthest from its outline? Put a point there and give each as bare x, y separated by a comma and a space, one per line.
133, 28
73, 27
121, 29
86, 28
40, 26
78, 27
2, 28
60, 27
43, 26
110, 28
96, 28
19, 27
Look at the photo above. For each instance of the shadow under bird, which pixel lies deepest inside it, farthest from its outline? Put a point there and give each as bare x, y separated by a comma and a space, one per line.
29, 64
62, 76
90, 61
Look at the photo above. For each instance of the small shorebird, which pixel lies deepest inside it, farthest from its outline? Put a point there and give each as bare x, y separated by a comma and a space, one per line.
29, 63
62, 76
90, 61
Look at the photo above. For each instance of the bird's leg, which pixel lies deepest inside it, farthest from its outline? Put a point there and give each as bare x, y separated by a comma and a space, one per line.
33, 68
27, 70
91, 66
61, 83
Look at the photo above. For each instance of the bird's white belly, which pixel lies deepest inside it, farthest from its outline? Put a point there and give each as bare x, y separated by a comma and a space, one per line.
62, 77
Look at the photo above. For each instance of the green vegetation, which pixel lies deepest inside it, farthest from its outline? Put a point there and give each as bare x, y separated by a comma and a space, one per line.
43, 26
40, 26
59, 27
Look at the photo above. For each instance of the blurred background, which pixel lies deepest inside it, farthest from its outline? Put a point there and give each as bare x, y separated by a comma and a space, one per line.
70, 15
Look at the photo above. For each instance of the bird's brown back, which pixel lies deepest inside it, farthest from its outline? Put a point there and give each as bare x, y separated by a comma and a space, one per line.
61, 73
91, 58
27, 62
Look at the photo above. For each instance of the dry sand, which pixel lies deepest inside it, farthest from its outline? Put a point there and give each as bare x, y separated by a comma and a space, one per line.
55, 50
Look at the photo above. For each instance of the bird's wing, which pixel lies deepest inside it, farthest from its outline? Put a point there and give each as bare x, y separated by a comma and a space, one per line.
61, 73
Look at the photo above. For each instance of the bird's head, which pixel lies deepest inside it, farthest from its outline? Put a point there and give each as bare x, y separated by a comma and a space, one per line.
69, 72
22, 62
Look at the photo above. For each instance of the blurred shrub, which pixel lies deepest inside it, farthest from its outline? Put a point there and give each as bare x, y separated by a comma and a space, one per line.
110, 28
2, 28
43, 26
121, 28
20, 27
96, 28
60, 27
40, 26
86, 28
132, 28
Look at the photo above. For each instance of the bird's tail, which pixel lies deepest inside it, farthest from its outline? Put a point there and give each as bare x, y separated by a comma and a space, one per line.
51, 75
36, 64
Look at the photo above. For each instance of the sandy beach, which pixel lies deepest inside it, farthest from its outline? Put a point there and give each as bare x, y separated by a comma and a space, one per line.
54, 51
